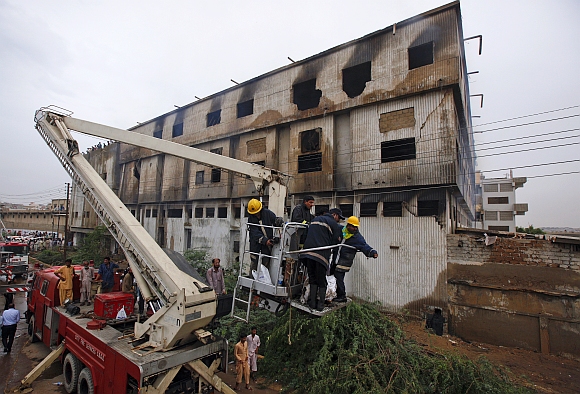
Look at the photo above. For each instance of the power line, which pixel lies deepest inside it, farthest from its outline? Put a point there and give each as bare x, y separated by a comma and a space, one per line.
527, 116
526, 124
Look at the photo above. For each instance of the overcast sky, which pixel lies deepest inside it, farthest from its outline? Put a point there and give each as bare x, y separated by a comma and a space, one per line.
120, 62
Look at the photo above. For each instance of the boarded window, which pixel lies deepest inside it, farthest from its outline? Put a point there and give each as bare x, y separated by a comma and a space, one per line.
505, 187
506, 215
310, 163
368, 209
199, 177
174, 213
198, 212
306, 95
222, 212
499, 228
246, 108
310, 140
396, 120
347, 210
177, 130
396, 150
355, 78
490, 215
256, 146
158, 134
393, 209
214, 118
490, 187
421, 55
498, 200
428, 208
210, 212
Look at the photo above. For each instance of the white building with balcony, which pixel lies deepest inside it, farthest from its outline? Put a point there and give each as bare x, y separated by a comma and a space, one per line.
498, 199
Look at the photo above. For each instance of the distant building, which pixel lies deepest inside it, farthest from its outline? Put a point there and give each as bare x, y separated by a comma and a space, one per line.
498, 203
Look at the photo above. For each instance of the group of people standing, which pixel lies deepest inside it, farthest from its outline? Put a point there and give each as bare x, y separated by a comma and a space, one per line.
246, 354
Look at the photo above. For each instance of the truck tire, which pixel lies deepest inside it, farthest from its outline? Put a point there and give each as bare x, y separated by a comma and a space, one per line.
86, 385
71, 368
33, 337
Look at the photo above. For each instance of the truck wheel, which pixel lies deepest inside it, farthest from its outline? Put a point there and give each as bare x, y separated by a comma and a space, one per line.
33, 337
71, 368
86, 385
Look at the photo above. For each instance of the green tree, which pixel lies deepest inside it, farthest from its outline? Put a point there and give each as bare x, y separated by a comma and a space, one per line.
199, 259
530, 230
94, 246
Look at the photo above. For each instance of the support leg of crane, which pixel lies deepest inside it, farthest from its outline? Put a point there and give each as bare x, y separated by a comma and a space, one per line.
162, 382
207, 374
41, 367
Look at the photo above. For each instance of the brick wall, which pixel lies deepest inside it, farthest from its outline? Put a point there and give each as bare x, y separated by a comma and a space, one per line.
395, 120
257, 145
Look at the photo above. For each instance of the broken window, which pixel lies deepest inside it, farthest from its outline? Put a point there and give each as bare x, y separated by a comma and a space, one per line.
310, 140
393, 209
177, 130
498, 200
222, 212
310, 163
199, 177
198, 212
214, 118
158, 134
396, 150
216, 173
246, 108
174, 213
355, 78
237, 210
421, 55
428, 208
368, 209
306, 95
347, 209
210, 212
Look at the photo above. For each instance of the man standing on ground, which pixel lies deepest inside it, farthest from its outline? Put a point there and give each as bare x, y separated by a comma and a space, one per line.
301, 214
87, 275
66, 274
253, 341
242, 366
127, 286
215, 277
261, 238
10, 318
323, 231
351, 237
107, 274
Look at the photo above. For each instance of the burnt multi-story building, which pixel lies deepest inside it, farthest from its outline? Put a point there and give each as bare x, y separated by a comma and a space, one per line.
379, 126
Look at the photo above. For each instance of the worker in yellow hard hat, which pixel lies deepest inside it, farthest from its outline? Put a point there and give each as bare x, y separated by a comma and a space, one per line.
261, 237
352, 237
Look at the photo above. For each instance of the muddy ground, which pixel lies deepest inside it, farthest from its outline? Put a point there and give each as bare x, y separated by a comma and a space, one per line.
543, 373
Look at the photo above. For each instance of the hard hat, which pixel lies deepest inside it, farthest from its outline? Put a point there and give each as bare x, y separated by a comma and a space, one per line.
254, 206
352, 220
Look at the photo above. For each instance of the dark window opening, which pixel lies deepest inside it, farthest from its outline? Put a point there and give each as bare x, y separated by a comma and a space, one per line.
177, 130
236, 246
499, 228
347, 210
174, 213
306, 95
310, 163
428, 208
199, 177
260, 163
246, 108
393, 209
310, 140
132, 213
355, 78
403, 149
216, 173
189, 213
498, 200
154, 213
158, 133
222, 212
321, 209
368, 209
198, 212
236, 209
421, 55
214, 118
210, 212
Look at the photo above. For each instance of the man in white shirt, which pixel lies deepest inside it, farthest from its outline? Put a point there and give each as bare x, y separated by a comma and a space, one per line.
10, 319
253, 341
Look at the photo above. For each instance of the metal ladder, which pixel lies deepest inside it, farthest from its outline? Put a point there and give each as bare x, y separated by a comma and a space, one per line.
248, 302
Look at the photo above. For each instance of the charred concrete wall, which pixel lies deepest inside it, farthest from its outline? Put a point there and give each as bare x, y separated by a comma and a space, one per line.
516, 292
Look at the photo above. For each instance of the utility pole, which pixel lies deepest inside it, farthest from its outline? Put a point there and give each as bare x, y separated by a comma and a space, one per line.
66, 220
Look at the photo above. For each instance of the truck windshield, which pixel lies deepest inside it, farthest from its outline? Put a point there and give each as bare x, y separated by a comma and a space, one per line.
19, 250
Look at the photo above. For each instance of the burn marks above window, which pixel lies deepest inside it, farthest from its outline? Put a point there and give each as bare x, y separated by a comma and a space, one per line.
177, 130
214, 118
420, 55
428, 208
245, 108
306, 95
355, 78
396, 150
310, 163
310, 140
